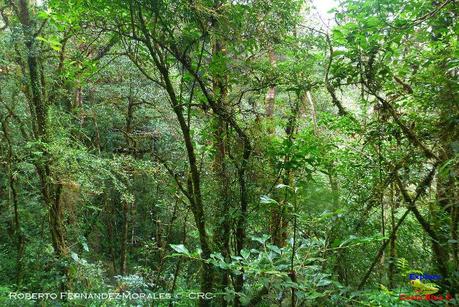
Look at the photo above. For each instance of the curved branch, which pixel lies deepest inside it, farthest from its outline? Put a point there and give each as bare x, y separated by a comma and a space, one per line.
330, 88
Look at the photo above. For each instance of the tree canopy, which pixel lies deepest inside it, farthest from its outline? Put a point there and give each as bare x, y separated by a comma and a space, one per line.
229, 153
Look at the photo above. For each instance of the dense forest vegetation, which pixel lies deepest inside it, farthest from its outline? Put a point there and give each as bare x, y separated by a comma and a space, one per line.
229, 153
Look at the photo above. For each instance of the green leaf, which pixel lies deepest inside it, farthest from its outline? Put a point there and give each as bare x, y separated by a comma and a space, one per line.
275, 249
74, 256
180, 248
323, 282
264, 199
372, 21
245, 253
261, 239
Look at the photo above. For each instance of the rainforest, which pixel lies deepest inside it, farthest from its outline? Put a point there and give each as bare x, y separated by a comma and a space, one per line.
229, 153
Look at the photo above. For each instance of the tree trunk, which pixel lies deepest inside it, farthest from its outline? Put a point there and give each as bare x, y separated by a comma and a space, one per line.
393, 238
13, 201
271, 95
241, 223
50, 191
124, 238
111, 238
222, 235
439, 251
280, 217
195, 193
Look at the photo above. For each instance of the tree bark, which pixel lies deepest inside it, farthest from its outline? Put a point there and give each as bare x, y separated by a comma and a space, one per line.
50, 191
393, 238
411, 203
13, 200
195, 193
111, 238
124, 238
440, 252
271, 95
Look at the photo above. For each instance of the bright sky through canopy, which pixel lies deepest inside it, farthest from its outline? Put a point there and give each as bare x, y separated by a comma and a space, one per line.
322, 7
